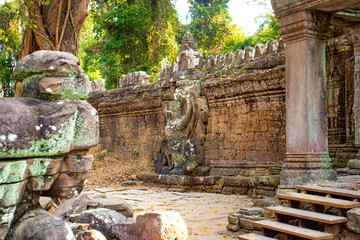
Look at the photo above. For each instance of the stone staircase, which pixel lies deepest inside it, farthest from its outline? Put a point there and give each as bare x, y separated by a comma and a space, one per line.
315, 213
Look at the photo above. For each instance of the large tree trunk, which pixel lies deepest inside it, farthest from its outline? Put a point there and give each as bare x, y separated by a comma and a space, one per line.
57, 26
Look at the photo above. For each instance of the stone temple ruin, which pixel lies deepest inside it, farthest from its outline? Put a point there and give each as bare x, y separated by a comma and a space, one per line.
258, 121
225, 118
262, 121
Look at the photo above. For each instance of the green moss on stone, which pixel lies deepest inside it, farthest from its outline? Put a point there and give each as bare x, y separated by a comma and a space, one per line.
39, 167
66, 93
10, 194
53, 144
12, 171
6, 215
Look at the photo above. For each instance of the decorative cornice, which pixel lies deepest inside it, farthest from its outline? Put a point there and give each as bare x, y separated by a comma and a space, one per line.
304, 24
285, 7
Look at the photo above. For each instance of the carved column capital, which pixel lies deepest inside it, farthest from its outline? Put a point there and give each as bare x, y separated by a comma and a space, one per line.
304, 24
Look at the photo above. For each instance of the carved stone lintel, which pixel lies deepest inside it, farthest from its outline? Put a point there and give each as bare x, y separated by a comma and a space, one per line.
286, 7
304, 24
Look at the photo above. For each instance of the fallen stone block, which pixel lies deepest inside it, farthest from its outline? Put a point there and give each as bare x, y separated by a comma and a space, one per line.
39, 224
152, 226
354, 164
354, 220
251, 211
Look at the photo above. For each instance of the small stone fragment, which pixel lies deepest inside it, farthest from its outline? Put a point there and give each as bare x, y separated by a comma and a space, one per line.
90, 235
354, 220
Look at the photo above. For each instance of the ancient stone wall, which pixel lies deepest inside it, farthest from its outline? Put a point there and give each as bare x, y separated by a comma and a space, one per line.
132, 122
241, 99
341, 89
243, 116
246, 125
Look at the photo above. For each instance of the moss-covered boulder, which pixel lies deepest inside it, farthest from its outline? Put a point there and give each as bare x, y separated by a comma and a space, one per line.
33, 127
45, 136
52, 75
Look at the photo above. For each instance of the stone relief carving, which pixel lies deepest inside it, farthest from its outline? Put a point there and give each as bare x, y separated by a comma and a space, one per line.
186, 116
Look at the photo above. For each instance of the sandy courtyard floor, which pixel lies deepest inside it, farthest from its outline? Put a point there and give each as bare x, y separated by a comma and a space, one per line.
205, 214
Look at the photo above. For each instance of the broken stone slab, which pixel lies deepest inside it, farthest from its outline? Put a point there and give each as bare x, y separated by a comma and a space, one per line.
34, 128
73, 206
153, 226
266, 202
354, 220
39, 224
84, 202
251, 211
354, 164
107, 215
113, 203
103, 219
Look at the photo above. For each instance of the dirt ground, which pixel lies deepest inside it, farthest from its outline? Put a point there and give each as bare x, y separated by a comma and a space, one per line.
205, 214
109, 172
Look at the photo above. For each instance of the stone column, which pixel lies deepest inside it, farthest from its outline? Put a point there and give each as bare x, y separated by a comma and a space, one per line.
307, 159
356, 107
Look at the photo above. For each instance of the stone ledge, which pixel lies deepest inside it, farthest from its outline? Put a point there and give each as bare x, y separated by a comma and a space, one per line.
263, 186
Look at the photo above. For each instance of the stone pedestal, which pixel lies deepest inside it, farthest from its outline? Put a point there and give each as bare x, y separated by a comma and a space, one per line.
307, 158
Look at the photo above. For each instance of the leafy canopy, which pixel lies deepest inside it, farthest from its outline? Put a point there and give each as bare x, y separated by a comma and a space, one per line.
10, 42
136, 35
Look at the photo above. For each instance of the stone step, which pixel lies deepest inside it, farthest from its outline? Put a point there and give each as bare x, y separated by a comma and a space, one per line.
330, 190
314, 216
293, 230
254, 236
326, 201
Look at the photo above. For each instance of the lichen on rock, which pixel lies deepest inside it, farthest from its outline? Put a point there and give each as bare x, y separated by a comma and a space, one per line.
40, 133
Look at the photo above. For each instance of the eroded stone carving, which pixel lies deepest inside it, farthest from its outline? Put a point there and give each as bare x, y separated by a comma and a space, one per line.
134, 79
189, 58
45, 137
98, 85
186, 116
239, 56
229, 58
249, 53
210, 63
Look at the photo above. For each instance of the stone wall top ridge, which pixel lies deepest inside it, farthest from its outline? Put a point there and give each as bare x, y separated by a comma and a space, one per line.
213, 63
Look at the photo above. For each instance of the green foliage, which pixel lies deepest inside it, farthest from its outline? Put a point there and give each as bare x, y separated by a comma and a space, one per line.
85, 44
135, 152
10, 42
268, 29
210, 24
130, 36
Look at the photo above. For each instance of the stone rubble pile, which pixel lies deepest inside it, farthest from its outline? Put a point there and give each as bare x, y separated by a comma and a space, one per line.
45, 137
98, 217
